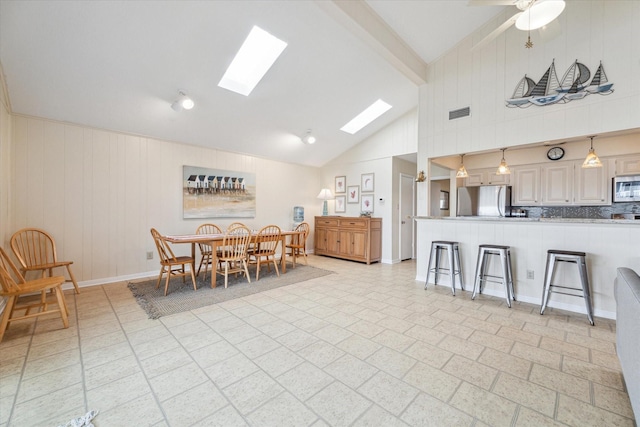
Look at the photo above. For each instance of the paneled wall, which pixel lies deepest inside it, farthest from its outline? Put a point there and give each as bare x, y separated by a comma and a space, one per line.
590, 31
99, 192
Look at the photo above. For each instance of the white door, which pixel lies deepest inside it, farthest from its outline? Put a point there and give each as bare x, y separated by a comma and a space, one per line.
407, 198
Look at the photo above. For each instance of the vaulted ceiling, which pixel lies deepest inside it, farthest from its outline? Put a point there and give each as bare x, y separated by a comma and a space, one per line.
118, 65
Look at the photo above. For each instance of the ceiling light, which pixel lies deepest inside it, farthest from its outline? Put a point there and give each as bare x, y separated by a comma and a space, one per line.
308, 137
325, 194
256, 55
592, 160
539, 14
503, 168
374, 111
183, 102
462, 171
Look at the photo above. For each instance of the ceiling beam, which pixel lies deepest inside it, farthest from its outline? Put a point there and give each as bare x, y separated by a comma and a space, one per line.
358, 17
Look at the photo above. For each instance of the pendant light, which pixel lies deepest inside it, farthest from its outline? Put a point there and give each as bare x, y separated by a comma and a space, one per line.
592, 160
503, 168
462, 171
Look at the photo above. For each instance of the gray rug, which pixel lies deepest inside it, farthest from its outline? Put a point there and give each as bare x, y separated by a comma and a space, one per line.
182, 297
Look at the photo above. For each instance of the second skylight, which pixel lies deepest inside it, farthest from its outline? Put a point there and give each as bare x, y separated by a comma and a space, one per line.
256, 55
374, 111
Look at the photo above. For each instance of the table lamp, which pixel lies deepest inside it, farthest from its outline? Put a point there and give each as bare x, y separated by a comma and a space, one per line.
325, 194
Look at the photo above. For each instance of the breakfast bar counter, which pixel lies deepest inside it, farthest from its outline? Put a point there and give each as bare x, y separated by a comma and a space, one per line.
608, 243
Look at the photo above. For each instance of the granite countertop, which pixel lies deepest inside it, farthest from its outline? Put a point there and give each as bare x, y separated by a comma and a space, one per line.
525, 219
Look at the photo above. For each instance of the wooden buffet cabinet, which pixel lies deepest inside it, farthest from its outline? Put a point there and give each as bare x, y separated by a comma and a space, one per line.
352, 238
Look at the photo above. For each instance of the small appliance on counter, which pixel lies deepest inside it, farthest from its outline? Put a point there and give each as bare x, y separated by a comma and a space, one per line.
625, 216
518, 213
486, 200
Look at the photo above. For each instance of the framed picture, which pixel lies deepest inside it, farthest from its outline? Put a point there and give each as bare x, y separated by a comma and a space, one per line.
353, 194
367, 182
341, 184
367, 203
341, 204
444, 200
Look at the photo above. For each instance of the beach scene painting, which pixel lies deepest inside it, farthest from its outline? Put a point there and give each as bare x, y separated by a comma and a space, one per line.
217, 193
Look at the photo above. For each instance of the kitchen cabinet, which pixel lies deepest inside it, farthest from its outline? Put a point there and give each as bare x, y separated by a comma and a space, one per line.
485, 177
630, 165
557, 184
352, 238
526, 186
593, 186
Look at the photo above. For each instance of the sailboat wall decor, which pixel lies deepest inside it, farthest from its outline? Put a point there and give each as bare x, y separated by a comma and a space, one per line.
549, 90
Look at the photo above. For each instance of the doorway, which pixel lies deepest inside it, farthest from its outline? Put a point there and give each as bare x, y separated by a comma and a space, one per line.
406, 209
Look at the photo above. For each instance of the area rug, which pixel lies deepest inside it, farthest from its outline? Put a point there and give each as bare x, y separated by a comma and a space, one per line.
182, 297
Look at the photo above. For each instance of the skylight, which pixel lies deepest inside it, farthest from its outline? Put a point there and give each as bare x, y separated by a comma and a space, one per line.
256, 55
374, 111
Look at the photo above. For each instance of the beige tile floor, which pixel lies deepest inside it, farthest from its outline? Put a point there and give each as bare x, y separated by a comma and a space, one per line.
366, 346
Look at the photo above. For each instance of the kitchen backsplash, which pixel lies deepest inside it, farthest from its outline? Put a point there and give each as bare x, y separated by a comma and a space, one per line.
590, 212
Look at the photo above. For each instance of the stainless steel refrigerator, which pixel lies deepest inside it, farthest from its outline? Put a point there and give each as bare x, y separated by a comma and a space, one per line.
486, 200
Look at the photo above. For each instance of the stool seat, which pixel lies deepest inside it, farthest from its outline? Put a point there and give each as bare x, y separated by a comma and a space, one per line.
454, 268
579, 259
506, 278
571, 253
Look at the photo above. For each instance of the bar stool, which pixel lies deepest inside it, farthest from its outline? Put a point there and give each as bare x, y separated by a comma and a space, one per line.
504, 252
555, 256
453, 254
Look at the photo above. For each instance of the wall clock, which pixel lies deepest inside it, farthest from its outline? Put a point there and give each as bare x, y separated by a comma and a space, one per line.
555, 153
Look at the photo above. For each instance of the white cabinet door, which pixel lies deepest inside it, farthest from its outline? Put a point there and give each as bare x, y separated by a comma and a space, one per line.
495, 179
485, 177
557, 184
592, 187
630, 165
475, 178
526, 186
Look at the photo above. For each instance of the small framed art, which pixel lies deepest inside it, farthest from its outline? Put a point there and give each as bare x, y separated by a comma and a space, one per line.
353, 194
341, 184
367, 182
366, 205
341, 204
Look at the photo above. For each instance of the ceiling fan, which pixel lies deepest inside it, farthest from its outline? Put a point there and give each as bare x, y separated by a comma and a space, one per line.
532, 15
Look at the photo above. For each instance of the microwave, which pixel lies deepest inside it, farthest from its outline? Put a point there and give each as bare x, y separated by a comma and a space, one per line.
626, 188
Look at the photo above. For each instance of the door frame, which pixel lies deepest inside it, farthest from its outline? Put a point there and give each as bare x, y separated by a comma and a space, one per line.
404, 176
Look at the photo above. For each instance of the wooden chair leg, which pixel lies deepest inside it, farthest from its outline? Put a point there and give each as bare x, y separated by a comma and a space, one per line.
8, 310
62, 306
73, 279
193, 280
246, 270
160, 277
166, 283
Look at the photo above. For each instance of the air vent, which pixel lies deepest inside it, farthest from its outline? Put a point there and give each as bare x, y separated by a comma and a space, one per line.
462, 112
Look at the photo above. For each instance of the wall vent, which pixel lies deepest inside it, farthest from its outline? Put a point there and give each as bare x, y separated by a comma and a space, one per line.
462, 112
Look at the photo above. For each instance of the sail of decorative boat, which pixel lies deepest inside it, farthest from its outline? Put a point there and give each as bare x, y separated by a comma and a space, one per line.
522, 93
600, 83
575, 78
544, 92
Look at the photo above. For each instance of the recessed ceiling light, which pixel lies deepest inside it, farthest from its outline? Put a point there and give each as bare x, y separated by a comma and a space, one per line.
256, 55
374, 111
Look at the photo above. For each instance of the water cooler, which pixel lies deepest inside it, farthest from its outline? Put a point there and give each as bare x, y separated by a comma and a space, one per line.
298, 215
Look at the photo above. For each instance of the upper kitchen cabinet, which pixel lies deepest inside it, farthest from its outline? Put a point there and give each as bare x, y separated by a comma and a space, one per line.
593, 186
526, 185
629, 165
557, 184
485, 177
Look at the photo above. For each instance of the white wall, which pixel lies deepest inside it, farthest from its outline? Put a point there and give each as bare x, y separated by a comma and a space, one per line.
5, 153
591, 31
376, 155
99, 192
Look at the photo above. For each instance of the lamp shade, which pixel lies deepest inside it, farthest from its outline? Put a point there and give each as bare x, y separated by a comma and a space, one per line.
325, 194
462, 171
592, 160
503, 168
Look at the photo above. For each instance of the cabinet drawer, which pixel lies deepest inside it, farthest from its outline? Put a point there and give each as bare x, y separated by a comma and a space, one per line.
354, 223
327, 222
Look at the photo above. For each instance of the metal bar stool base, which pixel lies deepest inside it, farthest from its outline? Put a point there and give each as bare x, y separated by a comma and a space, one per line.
555, 256
481, 276
455, 268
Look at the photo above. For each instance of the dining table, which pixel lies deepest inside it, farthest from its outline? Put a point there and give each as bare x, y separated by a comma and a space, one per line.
216, 241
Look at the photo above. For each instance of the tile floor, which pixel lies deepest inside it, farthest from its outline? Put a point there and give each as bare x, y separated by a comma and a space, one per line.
366, 346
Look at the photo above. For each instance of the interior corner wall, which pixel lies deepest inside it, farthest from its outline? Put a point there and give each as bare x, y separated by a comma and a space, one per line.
5, 168
375, 155
591, 31
99, 192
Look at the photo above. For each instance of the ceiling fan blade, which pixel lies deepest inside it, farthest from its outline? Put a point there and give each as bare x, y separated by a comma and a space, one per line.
491, 2
495, 33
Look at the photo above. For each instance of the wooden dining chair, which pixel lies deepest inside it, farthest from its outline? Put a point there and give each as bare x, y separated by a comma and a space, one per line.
205, 250
171, 264
13, 286
297, 247
35, 250
233, 257
266, 244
